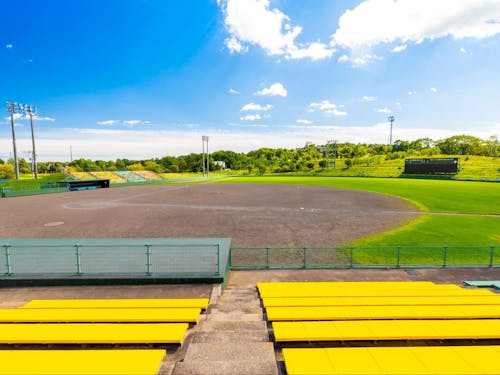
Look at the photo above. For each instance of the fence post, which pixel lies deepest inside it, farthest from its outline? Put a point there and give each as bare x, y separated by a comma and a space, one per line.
305, 257
267, 258
78, 260
492, 254
398, 265
148, 259
7, 259
351, 261
218, 259
445, 254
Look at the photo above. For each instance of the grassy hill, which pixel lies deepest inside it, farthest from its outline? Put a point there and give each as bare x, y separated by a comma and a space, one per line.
471, 167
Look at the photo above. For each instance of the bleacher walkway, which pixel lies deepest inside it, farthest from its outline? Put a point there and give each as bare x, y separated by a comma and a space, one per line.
233, 335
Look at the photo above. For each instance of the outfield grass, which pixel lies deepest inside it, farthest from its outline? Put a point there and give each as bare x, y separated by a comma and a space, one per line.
455, 197
429, 195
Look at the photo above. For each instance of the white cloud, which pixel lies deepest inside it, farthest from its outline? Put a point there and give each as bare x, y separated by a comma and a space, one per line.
463, 50
359, 59
399, 48
411, 93
374, 22
433, 89
253, 22
132, 122
276, 89
302, 121
369, 98
328, 108
50, 119
9, 46
233, 91
108, 122
383, 110
256, 107
251, 117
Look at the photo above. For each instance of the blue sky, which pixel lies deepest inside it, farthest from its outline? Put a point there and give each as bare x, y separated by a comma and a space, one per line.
147, 78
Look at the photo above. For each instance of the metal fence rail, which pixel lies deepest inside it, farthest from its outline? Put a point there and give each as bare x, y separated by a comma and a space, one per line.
364, 257
108, 258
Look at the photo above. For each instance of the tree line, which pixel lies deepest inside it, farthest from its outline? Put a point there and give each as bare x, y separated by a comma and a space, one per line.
268, 160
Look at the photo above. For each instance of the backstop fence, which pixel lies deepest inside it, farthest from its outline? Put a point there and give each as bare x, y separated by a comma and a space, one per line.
364, 257
113, 258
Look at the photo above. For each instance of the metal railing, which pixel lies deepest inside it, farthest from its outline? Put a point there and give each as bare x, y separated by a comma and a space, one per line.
107, 259
364, 257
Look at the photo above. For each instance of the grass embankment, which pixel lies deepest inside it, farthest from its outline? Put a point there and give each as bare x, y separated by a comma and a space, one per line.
27, 181
454, 197
471, 167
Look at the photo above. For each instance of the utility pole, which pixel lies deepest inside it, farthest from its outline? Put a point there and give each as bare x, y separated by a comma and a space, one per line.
70, 153
12, 108
391, 120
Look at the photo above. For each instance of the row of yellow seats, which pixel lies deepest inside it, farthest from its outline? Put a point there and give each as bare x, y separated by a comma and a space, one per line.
363, 289
361, 330
455, 360
78, 362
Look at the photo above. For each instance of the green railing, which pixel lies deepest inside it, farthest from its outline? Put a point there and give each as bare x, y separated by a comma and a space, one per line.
364, 257
63, 258
19, 190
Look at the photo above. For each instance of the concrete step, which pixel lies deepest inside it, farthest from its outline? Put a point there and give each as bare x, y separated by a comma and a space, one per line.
225, 368
247, 358
242, 309
216, 315
230, 325
239, 336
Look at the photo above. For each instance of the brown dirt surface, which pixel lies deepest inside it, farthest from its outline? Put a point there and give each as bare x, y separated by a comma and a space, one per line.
253, 215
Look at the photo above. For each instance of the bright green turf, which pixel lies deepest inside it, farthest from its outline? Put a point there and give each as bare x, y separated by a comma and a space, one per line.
437, 230
429, 195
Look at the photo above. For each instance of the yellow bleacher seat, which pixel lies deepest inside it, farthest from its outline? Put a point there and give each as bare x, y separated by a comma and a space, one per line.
84, 333
286, 313
387, 330
100, 315
445, 360
81, 362
201, 303
383, 301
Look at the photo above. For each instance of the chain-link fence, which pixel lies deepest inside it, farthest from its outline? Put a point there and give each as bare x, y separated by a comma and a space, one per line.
365, 257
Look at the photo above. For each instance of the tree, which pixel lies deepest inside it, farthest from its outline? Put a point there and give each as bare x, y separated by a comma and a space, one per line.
135, 167
151, 165
6, 171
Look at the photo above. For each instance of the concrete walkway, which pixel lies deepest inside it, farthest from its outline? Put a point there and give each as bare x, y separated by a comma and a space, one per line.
232, 340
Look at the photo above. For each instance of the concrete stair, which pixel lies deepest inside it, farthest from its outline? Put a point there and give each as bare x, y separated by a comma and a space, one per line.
232, 340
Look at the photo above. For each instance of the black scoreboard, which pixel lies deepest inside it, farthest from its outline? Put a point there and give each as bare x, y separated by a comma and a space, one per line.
431, 165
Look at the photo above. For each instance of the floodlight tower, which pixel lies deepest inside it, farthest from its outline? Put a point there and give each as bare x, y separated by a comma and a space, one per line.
391, 120
334, 142
32, 111
205, 155
13, 108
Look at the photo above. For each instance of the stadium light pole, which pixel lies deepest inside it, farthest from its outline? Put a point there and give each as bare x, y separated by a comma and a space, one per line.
12, 108
32, 111
391, 120
205, 160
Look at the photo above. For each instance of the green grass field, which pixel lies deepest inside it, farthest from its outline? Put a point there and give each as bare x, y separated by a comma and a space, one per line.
453, 197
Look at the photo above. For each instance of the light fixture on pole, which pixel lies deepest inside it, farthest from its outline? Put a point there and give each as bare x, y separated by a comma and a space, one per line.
391, 120
13, 108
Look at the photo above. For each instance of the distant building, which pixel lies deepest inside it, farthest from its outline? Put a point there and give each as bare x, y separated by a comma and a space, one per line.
221, 164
